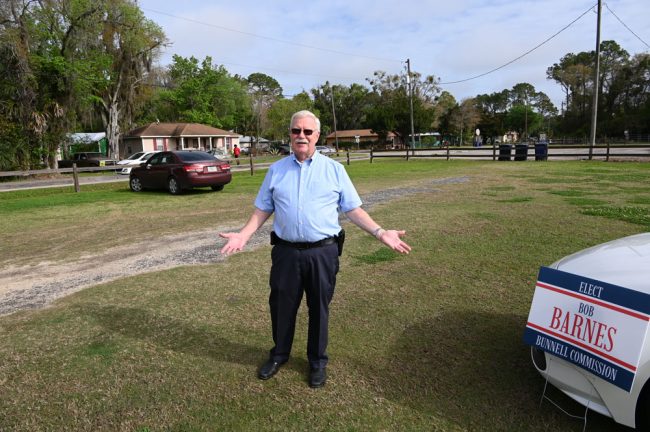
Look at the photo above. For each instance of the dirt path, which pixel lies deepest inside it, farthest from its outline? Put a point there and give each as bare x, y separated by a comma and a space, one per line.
35, 286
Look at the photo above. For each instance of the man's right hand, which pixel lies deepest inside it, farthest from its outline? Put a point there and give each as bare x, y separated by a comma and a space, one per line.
237, 240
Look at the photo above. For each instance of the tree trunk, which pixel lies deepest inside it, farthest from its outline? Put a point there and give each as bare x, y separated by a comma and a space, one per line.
112, 123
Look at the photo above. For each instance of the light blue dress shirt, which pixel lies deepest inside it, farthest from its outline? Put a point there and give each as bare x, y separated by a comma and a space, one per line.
306, 197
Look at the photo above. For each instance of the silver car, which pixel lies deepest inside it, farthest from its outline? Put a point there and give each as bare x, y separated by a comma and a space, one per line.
588, 328
325, 150
134, 160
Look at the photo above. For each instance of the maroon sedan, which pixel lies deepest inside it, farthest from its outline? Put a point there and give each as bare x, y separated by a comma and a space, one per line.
178, 170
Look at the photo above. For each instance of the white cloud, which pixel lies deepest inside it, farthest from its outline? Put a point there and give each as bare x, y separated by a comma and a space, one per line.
453, 40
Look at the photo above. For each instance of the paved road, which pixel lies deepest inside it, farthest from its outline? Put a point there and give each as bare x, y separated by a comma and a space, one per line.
67, 180
485, 153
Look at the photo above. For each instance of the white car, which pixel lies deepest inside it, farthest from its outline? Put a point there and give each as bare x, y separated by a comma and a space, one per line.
592, 342
134, 160
218, 153
327, 151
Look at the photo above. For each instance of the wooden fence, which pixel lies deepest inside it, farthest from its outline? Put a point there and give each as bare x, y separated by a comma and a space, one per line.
522, 152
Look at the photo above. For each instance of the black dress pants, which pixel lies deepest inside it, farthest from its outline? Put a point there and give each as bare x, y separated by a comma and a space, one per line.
294, 271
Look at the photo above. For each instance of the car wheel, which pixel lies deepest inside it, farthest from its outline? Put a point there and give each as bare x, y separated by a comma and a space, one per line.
135, 184
217, 187
173, 186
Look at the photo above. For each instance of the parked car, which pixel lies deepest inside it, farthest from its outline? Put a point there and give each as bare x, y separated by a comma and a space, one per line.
218, 153
134, 160
180, 170
595, 347
86, 159
325, 150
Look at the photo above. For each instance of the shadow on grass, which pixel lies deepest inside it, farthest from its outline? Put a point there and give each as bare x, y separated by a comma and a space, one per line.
172, 334
473, 369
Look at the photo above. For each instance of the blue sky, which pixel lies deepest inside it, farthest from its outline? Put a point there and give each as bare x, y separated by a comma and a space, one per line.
305, 44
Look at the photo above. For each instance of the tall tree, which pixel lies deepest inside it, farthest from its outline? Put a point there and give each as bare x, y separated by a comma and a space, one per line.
351, 106
524, 120
464, 119
391, 112
493, 108
616, 84
281, 111
200, 93
131, 42
71, 54
264, 91
442, 109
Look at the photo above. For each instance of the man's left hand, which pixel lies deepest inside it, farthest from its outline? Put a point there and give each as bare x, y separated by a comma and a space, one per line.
392, 239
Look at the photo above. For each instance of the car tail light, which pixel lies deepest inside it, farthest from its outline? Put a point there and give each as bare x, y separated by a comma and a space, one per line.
225, 167
193, 168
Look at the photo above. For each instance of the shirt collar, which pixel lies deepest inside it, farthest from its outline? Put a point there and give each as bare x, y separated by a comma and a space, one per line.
316, 155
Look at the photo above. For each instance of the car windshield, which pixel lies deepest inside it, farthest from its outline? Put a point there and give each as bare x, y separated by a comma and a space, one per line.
195, 156
135, 156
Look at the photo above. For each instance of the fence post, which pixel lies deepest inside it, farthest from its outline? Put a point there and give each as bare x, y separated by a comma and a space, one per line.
370, 154
447, 151
494, 150
607, 157
75, 177
348, 155
250, 159
407, 153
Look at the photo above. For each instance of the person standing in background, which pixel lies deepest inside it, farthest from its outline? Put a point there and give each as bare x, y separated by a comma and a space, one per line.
236, 152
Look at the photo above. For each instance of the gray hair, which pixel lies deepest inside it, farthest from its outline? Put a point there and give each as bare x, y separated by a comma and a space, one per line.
305, 113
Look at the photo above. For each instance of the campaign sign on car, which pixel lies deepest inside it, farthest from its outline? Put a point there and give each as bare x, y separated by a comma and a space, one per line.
597, 326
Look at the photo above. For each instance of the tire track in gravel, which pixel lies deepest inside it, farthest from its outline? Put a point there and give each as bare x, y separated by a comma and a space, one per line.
36, 286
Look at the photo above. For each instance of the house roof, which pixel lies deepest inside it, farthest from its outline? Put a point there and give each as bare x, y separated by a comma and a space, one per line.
364, 133
178, 130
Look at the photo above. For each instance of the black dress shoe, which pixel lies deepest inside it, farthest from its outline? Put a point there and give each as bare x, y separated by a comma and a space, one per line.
268, 369
317, 377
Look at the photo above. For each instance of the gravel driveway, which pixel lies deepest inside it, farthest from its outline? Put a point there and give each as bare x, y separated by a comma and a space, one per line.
33, 287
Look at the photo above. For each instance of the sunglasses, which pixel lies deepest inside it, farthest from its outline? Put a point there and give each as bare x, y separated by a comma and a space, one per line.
307, 132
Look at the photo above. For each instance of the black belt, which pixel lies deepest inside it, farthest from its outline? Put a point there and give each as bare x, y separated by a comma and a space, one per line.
275, 240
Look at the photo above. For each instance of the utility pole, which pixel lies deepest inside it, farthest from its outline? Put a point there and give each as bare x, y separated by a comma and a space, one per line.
336, 137
594, 113
408, 83
526, 118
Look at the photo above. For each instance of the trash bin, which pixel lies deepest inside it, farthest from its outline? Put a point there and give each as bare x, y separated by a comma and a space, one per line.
541, 151
504, 152
521, 152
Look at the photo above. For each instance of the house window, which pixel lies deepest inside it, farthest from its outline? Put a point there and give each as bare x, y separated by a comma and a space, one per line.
158, 143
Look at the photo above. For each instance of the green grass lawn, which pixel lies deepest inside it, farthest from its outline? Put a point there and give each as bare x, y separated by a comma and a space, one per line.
428, 341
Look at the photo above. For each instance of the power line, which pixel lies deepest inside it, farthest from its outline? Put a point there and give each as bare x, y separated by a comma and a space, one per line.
523, 55
285, 71
272, 38
625, 25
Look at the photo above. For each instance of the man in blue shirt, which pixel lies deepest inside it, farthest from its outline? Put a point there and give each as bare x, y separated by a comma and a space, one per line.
305, 191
